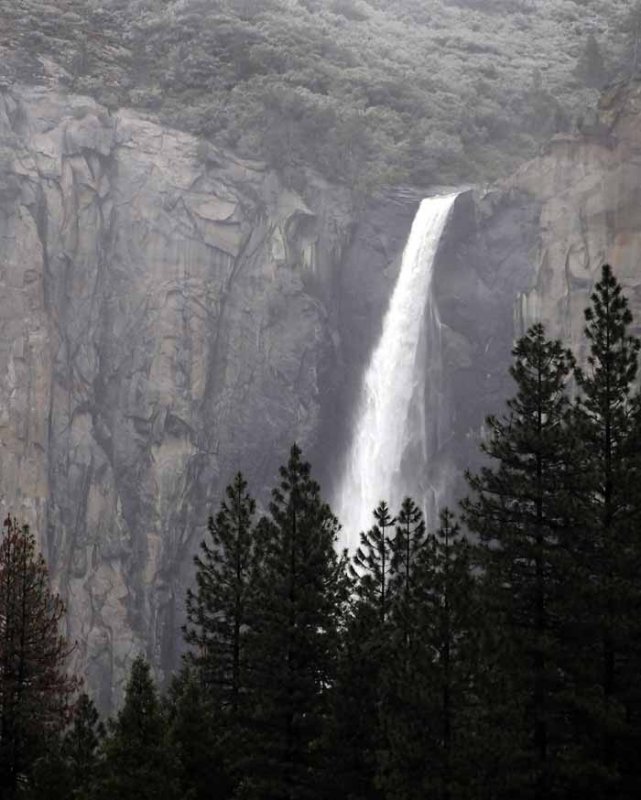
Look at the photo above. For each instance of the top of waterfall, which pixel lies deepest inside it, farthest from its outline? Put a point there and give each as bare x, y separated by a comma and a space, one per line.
391, 445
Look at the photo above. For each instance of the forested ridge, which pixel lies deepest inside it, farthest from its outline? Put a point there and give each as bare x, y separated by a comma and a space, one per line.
365, 91
495, 656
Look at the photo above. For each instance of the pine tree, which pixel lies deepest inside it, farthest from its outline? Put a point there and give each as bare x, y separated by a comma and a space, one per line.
35, 690
200, 735
406, 546
299, 599
81, 749
521, 504
217, 611
402, 768
217, 626
356, 734
373, 563
72, 765
446, 591
50, 778
139, 765
607, 421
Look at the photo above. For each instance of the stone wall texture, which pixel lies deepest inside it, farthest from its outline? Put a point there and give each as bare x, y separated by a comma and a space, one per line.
170, 314
163, 323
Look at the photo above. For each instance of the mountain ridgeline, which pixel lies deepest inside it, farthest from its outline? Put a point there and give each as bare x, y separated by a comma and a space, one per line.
494, 655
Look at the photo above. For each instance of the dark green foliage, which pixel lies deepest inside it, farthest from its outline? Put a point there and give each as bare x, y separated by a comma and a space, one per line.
218, 616
365, 646
217, 611
403, 767
608, 553
448, 593
406, 547
202, 740
35, 691
300, 594
139, 765
373, 564
428, 678
72, 765
520, 506
50, 778
81, 749
355, 736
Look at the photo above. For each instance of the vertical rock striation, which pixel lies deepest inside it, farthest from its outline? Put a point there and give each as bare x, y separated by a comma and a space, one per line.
170, 314
527, 249
163, 322
589, 189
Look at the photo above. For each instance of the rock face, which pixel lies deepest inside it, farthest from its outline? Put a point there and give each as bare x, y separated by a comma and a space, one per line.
531, 249
528, 249
486, 259
163, 324
589, 189
170, 314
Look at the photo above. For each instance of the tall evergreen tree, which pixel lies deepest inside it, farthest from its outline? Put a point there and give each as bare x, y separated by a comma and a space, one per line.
35, 690
217, 610
139, 765
409, 540
402, 765
519, 507
72, 765
372, 566
217, 625
201, 736
429, 677
447, 593
607, 420
81, 749
356, 734
299, 599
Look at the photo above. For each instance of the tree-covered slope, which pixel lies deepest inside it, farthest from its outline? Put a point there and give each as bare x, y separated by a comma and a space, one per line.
363, 90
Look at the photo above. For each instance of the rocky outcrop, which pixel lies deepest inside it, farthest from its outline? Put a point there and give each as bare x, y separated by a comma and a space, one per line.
486, 259
170, 314
531, 249
525, 250
163, 323
589, 189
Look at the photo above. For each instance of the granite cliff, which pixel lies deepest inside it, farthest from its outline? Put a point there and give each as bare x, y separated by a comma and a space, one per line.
170, 313
164, 322
527, 249
530, 249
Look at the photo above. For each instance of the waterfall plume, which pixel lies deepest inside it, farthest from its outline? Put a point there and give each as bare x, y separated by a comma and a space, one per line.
391, 440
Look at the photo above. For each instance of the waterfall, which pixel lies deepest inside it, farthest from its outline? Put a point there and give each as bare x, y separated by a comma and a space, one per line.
392, 439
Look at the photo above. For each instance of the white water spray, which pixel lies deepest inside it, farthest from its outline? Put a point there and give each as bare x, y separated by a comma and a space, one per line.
391, 414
